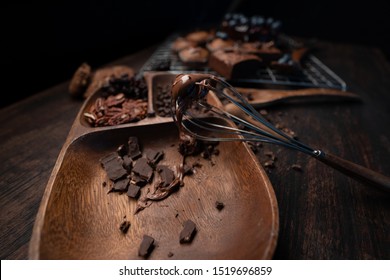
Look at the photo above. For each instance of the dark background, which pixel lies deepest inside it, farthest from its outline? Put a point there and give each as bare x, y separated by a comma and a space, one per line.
43, 44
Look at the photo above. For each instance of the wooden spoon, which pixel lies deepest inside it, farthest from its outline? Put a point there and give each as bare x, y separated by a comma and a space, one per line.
265, 97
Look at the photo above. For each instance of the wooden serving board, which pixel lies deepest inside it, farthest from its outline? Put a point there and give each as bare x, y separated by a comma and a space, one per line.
77, 219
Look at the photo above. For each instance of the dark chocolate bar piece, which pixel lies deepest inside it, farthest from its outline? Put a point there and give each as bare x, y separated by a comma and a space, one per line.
143, 169
188, 232
107, 158
120, 185
133, 148
166, 174
122, 150
154, 156
127, 163
114, 168
137, 180
133, 191
146, 247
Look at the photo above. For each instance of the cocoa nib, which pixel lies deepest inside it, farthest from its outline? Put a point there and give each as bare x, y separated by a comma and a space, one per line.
219, 205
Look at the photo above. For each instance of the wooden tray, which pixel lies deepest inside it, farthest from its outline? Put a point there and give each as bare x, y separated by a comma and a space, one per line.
77, 219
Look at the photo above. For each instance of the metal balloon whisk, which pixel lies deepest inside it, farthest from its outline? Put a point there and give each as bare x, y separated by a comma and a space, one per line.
237, 120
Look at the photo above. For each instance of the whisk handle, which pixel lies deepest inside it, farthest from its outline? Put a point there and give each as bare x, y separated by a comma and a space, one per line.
356, 171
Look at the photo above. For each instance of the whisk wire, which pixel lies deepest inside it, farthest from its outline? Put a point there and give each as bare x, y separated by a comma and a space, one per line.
218, 129
259, 134
250, 125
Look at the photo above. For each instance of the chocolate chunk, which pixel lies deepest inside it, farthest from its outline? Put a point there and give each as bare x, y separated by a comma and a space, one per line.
127, 163
120, 186
170, 255
133, 191
233, 64
114, 168
146, 247
154, 156
166, 174
122, 150
107, 158
143, 169
219, 205
137, 180
133, 148
124, 227
188, 232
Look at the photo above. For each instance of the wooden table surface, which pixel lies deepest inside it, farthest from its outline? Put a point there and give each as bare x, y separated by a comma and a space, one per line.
323, 214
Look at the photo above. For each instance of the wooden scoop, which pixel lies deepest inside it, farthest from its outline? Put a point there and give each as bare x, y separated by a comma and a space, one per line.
264, 97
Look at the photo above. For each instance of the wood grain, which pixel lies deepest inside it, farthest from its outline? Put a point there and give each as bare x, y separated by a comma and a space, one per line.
323, 214
77, 215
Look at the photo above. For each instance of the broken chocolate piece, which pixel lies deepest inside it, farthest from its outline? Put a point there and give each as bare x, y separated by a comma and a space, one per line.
143, 169
133, 191
127, 163
188, 232
170, 255
166, 174
108, 158
133, 148
114, 168
124, 227
122, 150
219, 205
137, 180
154, 156
120, 186
146, 247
